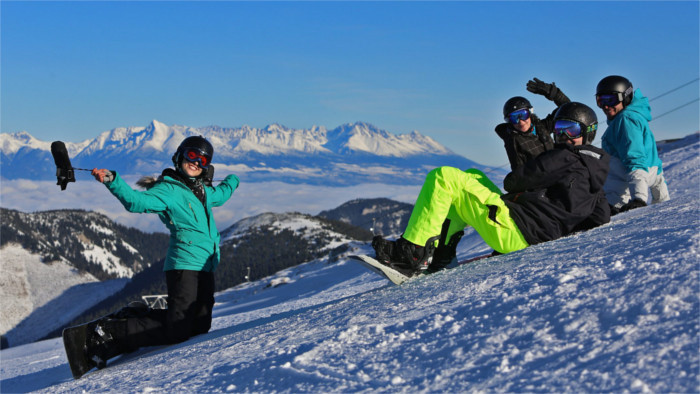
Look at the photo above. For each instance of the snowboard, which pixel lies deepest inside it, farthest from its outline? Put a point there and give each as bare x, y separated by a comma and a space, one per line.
397, 277
74, 339
393, 275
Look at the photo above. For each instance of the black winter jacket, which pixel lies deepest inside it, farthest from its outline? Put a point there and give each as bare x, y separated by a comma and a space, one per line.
559, 192
522, 147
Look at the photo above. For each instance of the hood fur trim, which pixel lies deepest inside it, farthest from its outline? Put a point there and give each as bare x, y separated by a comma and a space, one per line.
148, 182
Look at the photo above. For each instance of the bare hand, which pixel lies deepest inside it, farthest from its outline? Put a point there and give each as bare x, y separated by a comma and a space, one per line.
99, 174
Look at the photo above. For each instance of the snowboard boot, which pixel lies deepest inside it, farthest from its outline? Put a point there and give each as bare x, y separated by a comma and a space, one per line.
383, 249
445, 254
614, 210
404, 256
105, 339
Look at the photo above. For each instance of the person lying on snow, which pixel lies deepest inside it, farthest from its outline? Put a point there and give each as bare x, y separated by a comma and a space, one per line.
557, 193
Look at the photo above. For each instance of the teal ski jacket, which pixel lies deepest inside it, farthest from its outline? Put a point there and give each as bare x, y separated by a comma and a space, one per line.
194, 239
629, 138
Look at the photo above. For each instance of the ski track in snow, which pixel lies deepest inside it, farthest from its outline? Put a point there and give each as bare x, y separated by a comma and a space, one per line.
613, 309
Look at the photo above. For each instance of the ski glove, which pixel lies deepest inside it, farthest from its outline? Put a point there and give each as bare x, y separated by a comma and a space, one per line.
539, 87
636, 203
548, 90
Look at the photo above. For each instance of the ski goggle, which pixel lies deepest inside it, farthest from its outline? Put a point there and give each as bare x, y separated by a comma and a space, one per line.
607, 100
572, 129
515, 116
196, 156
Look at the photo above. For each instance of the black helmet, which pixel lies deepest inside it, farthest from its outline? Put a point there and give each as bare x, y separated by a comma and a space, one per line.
196, 144
582, 114
615, 84
514, 104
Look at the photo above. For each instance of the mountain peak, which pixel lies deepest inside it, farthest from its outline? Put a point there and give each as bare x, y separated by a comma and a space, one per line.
12, 143
23, 135
359, 127
158, 135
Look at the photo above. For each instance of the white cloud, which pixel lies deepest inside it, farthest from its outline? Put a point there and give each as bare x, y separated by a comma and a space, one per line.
248, 200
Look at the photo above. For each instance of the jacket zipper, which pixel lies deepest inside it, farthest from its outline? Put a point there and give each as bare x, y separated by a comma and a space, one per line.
193, 214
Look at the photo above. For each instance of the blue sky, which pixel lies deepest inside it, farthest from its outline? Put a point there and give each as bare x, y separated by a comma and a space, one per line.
71, 70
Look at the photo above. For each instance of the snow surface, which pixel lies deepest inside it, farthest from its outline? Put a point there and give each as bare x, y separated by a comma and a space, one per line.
107, 260
612, 309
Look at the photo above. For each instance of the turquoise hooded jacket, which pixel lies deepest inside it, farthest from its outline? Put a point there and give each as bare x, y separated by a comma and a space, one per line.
629, 138
194, 239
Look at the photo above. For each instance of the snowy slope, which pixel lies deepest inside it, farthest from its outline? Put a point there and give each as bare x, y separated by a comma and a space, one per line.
612, 309
27, 285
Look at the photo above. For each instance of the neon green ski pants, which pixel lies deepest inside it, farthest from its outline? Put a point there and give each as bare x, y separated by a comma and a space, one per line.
464, 198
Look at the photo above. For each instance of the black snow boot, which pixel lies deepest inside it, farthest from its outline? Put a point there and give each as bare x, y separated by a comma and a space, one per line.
383, 249
105, 339
445, 254
404, 256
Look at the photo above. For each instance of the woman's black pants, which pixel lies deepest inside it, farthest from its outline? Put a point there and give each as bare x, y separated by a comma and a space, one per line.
190, 304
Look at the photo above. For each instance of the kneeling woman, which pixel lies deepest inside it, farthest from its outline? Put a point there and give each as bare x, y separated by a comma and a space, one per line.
184, 204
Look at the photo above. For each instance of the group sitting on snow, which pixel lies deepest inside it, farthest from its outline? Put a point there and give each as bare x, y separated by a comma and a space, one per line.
558, 185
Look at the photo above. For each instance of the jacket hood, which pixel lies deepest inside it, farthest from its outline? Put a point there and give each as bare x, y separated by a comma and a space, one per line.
597, 161
639, 105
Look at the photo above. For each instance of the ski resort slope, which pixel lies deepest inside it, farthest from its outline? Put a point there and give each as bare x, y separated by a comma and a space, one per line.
611, 309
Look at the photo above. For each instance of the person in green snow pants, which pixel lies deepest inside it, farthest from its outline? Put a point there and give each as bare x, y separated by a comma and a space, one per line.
555, 194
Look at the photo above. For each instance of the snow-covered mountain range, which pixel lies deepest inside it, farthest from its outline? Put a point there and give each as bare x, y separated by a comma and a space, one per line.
613, 309
89, 241
60, 255
347, 155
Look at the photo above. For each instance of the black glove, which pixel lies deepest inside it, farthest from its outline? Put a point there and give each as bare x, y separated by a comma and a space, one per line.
548, 90
636, 203
539, 87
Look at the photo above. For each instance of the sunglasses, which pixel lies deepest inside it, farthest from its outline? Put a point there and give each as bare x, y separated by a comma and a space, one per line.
515, 116
195, 156
572, 129
607, 100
